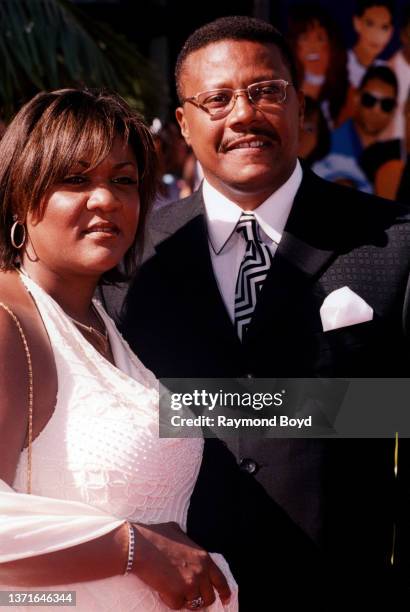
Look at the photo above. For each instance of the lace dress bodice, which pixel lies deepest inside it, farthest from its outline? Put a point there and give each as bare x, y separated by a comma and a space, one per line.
101, 447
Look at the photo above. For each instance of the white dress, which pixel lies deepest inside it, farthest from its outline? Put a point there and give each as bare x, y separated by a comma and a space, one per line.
101, 448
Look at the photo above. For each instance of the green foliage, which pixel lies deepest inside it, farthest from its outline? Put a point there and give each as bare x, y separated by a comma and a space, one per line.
50, 44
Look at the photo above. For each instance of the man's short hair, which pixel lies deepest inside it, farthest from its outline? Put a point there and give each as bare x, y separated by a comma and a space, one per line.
362, 6
382, 73
237, 27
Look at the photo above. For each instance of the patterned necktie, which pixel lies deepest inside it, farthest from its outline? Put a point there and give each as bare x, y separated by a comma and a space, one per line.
252, 273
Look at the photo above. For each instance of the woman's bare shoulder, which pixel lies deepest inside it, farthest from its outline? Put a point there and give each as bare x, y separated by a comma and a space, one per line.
14, 375
13, 293
15, 354
13, 307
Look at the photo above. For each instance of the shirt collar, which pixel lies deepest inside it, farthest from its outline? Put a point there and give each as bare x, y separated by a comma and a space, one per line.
222, 214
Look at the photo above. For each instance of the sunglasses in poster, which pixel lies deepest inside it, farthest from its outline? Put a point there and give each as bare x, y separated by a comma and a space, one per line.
368, 100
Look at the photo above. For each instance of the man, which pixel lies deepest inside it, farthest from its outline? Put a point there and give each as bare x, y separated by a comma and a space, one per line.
376, 100
325, 521
358, 139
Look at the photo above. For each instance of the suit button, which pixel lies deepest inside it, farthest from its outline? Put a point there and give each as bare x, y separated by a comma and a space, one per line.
249, 465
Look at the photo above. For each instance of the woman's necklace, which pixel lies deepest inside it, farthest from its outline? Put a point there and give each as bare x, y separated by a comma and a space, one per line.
98, 339
101, 338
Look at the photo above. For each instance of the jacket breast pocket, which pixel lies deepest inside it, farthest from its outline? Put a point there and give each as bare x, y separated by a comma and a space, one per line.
350, 351
351, 335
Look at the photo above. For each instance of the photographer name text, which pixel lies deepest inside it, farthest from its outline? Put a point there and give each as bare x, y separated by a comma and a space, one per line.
236, 423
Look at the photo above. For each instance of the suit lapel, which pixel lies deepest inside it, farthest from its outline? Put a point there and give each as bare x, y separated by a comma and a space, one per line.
300, 259
186, 253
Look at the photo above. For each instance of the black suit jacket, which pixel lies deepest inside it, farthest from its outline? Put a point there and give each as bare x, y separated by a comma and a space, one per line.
324, 509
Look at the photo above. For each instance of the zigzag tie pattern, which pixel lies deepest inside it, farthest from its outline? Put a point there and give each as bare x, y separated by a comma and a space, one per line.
252, 273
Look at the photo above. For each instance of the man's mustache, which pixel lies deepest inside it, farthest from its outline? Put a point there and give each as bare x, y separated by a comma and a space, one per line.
266, 133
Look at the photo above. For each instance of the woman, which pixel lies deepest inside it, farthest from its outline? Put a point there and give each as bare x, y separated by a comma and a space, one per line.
321, 59
108, 496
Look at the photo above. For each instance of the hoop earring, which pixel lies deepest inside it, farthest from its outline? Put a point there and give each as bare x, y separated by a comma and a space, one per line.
12, 235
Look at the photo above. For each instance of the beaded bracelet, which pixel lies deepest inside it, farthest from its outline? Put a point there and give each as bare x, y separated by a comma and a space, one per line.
131, 548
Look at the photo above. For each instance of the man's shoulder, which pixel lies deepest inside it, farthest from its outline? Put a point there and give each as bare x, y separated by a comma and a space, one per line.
351, 209
164, 222
314, 184
370, 203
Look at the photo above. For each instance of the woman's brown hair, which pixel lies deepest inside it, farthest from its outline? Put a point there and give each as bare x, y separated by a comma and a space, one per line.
48, 136
302, 17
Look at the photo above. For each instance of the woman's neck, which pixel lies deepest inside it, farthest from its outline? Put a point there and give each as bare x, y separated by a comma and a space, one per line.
364, 56
73, 293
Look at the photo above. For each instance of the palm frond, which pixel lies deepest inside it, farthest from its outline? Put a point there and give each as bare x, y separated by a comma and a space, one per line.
49, 44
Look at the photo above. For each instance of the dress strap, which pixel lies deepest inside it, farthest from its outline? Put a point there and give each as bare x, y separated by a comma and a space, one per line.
30, 391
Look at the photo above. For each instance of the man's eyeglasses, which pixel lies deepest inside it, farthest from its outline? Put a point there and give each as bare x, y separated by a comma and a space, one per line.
386, 104
219, 102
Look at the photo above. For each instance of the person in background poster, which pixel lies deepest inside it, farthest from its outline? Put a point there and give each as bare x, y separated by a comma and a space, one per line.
321, 58
358, 138
373, 24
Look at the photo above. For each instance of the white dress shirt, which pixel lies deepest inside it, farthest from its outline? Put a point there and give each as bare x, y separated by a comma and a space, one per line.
227, 247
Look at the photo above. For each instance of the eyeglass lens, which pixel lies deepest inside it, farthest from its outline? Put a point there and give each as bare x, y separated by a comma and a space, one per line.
265, 94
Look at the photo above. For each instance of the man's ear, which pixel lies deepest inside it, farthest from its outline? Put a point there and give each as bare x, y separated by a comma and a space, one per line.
183, 124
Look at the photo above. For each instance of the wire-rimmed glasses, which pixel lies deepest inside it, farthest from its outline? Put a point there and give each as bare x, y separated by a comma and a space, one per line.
218, 103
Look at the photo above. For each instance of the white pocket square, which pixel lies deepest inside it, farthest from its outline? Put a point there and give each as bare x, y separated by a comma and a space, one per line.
344, 307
